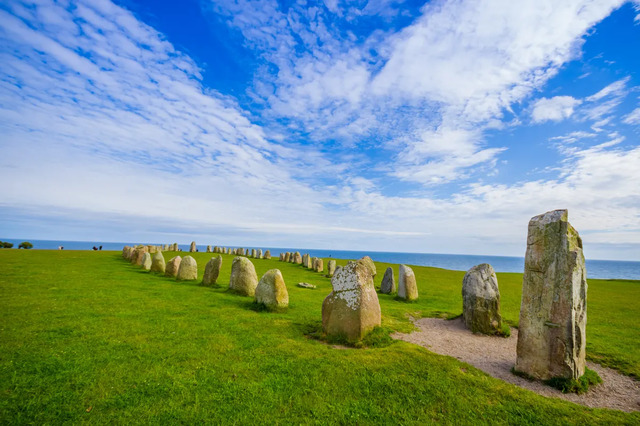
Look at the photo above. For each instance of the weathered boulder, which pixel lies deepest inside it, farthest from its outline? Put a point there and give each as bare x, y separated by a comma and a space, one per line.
331, 268
192, 247
481, 300
297, 258
254, 253
188, 270
287, 256
172, 267
319, 265
352, 309
152, 249
209, 249
306, 285
281, 258
272, 291
553, 312
212, 270
259, 256
138, 255
244, 279
157, 263
146, 261
306, 262
388, 284
267, 254
407, 287
370, 265
240, 252
126, 252
175, 246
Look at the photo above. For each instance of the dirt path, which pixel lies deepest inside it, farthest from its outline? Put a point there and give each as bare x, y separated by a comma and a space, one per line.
496, 356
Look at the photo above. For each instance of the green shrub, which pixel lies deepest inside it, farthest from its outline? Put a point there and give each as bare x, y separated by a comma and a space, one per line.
5, 244
25, 245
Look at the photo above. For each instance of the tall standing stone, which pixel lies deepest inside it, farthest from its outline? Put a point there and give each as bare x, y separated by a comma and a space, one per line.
244, 279
172, 267
138, 255
287, 255
388, 284
192, 247
372, 266
306, 262
157, 263
126, 252
209, 249
188, 270
272, 291
297, 258
331, 268
146, 262
481, 300
553, 313
175, 247
407, 286
352, 309
281, 257
259, 254
319, 265
267, 254
212, 270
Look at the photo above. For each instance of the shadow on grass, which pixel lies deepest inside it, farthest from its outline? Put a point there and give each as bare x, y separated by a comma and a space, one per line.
379, 337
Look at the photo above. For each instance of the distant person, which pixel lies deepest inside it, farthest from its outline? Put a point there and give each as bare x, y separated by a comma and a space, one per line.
95, 248
100, 247
59, 247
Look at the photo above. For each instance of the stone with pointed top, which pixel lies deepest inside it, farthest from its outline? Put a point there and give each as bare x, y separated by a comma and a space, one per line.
157, 263
212, 270
244, 279
388, 284
172, 267
272, 291
481, 300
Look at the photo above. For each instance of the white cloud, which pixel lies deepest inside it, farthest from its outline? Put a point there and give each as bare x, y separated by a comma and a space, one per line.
553, 109
633, 117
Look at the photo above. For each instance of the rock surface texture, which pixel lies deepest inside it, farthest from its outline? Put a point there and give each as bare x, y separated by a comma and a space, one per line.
188, 270
352, 309
157, 263
553, 312
481, 300
388, 284
407, 287
146, 261
369, 262
172, 267
212, 270
192, 247
244, 279
272, 291
331, 268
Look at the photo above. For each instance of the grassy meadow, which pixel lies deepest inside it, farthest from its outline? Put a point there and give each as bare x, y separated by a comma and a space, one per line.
86, 337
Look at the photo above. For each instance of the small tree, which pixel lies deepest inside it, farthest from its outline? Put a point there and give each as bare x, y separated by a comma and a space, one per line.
25, 245
5, 244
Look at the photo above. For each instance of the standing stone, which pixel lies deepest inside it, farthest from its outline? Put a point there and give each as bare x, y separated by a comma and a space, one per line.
172, 267
388, 284
152, 249
331, 268
254, 253
314, 260
297, 258
370, 265
481, 300
259, 254
209, 249
146, 261
188, 270
281, 257
126, 252
306, 261
407, 287
553, 313
175, 246
287, 255
212, 270
267, 254
240, 252
352, 309
138, 255
319, 265
244, 279
272, 291
157, 263
192, 247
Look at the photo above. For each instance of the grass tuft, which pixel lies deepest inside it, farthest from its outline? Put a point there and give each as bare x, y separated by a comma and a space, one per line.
580, 386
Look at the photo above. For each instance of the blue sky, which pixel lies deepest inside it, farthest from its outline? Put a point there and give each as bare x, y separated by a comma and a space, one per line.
381, 125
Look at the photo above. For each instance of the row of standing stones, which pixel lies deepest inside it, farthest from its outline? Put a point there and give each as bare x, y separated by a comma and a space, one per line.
552, 331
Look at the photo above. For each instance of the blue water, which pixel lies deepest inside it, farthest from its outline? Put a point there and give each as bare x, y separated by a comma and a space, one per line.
602, 269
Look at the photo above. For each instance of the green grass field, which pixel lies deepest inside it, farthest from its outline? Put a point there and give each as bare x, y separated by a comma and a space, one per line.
86, 337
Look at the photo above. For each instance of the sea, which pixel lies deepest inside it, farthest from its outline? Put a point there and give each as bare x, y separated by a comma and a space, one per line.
600, 269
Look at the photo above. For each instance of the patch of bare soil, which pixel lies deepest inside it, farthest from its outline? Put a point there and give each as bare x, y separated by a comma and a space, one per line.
496, 355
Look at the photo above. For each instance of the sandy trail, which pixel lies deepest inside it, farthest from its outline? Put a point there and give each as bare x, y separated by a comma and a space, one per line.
496, 355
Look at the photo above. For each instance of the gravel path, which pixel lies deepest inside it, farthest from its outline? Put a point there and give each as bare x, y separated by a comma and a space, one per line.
496, 355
